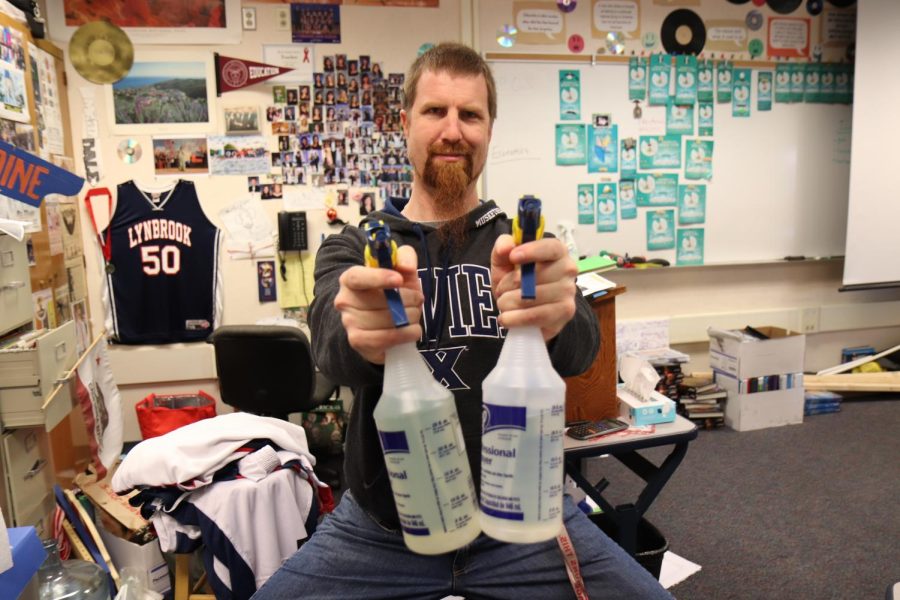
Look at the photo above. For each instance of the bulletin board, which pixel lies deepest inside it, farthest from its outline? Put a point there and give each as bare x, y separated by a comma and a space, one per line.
779, 184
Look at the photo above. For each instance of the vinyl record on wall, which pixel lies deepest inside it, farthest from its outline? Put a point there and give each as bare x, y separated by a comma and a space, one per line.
754, 20
683, 32
784, 7
814, 7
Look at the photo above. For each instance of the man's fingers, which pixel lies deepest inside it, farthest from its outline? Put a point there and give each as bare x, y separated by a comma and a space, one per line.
361, 278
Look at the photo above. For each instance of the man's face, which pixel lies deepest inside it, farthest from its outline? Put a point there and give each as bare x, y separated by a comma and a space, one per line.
448, 130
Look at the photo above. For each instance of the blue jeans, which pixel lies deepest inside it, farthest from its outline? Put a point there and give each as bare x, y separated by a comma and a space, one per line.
351, 556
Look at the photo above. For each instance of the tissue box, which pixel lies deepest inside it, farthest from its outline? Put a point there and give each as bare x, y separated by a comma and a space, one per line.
27, 555
634, 411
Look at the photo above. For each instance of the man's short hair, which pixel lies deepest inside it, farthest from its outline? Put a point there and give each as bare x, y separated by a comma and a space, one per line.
453, 58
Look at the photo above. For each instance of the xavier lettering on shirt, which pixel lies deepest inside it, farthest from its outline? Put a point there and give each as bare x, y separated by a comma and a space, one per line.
155, 229
470, 306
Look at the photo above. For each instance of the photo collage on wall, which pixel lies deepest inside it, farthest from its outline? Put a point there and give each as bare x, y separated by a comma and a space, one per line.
344, 128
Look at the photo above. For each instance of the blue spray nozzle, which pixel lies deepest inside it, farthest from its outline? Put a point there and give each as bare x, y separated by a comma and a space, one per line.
528, 226
381, 251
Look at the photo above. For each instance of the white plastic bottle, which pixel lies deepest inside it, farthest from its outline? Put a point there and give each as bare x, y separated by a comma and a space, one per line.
425, 456
522, 442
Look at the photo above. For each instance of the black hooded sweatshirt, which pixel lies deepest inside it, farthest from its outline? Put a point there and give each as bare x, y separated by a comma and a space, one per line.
461, 337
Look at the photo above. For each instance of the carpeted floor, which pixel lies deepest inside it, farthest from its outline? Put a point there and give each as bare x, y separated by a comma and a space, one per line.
801, 512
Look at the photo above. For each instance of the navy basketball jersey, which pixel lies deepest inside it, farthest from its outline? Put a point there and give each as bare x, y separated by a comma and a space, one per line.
162, 273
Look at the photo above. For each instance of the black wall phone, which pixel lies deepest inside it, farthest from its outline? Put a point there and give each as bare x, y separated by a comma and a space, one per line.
291, 231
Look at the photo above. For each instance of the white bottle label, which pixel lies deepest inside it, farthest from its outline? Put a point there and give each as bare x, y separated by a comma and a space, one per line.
427, 465
521, 463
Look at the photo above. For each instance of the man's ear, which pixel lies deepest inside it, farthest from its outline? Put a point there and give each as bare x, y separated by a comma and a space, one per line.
404, 122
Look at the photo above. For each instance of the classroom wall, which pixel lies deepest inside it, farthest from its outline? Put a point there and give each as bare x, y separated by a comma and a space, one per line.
686, 295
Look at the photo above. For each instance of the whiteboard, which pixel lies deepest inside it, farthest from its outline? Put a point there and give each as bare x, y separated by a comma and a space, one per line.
872, 241
780, 178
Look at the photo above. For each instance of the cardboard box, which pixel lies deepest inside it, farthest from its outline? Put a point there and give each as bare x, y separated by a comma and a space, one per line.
763, 378
144, 556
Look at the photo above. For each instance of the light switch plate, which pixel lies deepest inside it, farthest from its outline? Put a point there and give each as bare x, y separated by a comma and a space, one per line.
282, 18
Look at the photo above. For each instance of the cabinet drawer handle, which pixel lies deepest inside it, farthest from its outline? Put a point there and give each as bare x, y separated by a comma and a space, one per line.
36, 468
12, 285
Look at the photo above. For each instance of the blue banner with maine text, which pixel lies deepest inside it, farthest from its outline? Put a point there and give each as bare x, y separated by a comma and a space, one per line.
27, 178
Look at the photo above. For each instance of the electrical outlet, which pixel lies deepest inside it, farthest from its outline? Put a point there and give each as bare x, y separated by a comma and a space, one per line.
282, 18
809, 320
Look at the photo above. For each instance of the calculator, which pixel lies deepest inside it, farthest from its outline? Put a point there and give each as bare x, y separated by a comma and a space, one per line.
592, 429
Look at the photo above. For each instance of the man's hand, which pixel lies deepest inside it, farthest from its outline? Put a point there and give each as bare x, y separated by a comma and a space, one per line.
555, 271
364, 310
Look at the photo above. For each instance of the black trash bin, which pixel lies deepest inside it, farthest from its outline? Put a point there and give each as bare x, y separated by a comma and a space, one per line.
651, 544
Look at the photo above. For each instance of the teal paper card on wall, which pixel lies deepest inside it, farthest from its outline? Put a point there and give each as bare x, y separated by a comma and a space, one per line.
569, 95
705, 114
637, 78
657, 189
628, 159
603, 145
764, 90
829, 73
843, 91
798, 79
570, 143
690, 247
679, 119
705, 81
660, 152
740, 105
661, 229
724, 81
660, 79
783, 83
586, 204
698, 156
686, 80
812, 83
691, 204
606, 207
627, 204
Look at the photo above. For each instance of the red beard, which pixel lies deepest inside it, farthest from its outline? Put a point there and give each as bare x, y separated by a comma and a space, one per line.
449, 180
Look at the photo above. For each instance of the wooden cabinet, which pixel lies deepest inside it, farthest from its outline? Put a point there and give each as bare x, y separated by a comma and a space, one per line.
592, 395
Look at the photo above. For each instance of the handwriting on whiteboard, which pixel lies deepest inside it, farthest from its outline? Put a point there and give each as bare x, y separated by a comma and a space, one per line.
515, 154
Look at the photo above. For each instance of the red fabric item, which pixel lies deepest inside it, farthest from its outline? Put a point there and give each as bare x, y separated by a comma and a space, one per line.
155, 420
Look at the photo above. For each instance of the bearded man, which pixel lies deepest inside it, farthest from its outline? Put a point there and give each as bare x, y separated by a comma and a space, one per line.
457, 275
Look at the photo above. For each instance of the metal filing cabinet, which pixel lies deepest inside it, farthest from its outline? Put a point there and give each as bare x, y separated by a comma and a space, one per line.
27, 379
15, 284
26, 477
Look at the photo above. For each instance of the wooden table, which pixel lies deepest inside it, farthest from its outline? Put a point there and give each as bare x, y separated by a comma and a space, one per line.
592, 395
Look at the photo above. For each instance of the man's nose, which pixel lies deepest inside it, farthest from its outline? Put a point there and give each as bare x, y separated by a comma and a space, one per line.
451, 131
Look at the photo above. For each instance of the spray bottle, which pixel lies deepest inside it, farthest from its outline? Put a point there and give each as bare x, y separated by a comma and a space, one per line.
420, 435
523, 423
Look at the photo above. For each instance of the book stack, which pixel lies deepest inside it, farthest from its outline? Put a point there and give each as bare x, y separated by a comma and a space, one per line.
701, 400
820, 403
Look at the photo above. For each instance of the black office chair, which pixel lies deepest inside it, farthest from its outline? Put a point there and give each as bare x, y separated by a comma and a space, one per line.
268, 370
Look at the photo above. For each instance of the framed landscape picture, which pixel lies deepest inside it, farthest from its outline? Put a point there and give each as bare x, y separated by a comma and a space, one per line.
164, 93
152, 21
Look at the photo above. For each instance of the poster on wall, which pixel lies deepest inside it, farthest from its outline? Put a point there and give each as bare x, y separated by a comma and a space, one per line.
46, 100
180, 156
238, 155
300, 58
13, 99
164, 93
151, 21
315, 24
